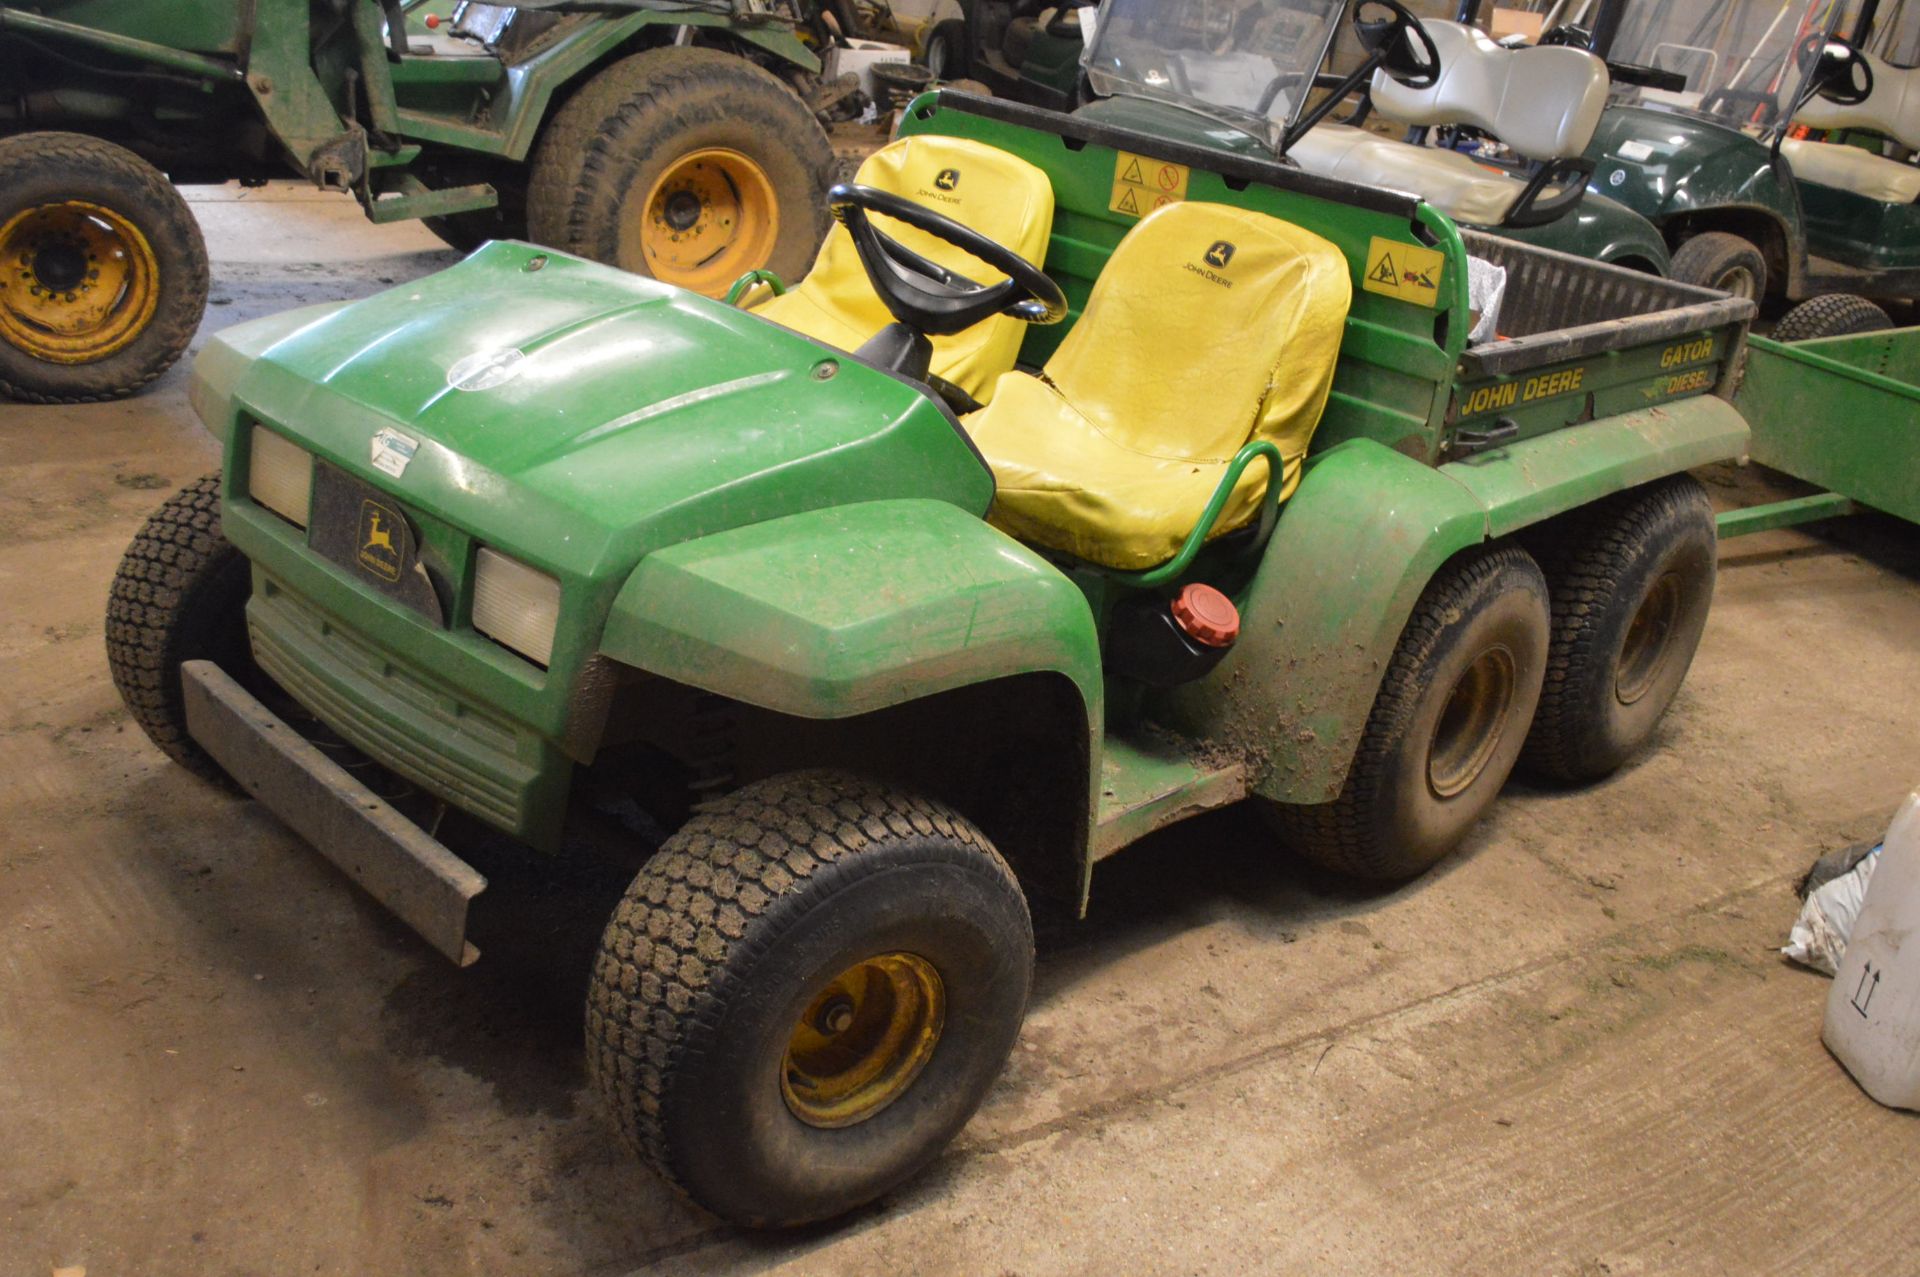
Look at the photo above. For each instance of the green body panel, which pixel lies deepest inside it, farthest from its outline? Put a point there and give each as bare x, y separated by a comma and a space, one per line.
1841, 412
1847, 227
195, 27
843, 611
1599, 229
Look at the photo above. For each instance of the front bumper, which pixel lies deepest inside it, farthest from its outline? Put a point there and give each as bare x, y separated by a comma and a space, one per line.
400, 865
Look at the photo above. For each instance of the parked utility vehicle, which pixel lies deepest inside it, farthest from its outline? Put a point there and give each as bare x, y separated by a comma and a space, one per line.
1246, 517
659, 137
1026, 50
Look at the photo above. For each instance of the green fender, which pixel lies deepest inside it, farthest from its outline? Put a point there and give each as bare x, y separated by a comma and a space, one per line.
849, 609
1356, 546
221, 363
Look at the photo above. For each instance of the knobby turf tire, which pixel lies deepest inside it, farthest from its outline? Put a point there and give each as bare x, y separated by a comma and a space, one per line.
44, 168
721, 942
618, 134
180, 595
1388, 824
1601, 567
1709, 260
1830, 315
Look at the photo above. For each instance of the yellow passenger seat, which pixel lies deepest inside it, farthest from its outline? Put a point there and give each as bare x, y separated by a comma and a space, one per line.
1000, 195
1209, 328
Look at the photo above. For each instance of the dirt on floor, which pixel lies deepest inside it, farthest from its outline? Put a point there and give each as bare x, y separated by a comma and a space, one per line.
1571, 1050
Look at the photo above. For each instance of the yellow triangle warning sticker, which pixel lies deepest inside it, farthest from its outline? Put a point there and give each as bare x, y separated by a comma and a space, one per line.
1384, 273
1406, 272
1128, 204
1132, 173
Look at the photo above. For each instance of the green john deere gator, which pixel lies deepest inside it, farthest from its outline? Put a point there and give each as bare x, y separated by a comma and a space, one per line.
904, 598
660, 136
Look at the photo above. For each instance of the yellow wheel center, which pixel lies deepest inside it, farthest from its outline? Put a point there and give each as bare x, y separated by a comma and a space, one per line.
1472, 723
1643, 655
864, 1039
78, 282
709, 219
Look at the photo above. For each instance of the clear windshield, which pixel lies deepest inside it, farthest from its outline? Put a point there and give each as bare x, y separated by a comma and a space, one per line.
1896, 32
1250, 63
1737, 55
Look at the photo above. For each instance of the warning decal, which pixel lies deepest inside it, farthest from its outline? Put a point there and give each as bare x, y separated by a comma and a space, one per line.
1406, 271
1142, 184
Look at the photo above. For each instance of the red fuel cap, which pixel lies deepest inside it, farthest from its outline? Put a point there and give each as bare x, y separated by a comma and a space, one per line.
1207, 616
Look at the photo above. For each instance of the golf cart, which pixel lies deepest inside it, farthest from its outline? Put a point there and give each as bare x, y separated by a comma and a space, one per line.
1025, 50
659, 137
1246, 516
1203, 74
1749, 207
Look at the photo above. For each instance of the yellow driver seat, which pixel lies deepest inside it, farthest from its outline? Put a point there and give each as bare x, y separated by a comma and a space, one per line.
1209, 328
1000, 195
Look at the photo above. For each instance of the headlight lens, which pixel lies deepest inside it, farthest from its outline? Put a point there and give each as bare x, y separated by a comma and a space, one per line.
515, 605
280, 476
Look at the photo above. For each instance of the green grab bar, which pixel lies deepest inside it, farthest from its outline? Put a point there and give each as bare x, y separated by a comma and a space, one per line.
748, 280
1197, 539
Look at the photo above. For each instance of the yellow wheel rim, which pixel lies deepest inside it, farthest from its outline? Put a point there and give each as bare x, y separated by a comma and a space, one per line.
78, 282
709, 219
863, 1040
1472, 723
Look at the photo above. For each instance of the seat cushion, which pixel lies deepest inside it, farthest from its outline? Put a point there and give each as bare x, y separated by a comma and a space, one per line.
1848, 168
1451, 182
1891, 110
1000, 195
1545, 103
1210, 327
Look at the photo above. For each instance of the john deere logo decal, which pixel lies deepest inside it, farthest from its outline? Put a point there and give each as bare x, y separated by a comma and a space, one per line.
378, 556
947, 179
1220, 254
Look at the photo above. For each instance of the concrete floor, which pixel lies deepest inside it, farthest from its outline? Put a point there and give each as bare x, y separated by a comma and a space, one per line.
1572, 1050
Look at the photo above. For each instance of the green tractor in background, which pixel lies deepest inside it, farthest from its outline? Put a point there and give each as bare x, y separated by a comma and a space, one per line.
665, 139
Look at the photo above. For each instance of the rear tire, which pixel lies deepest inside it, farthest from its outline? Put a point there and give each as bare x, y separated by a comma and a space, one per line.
1446, 727
106, 272
946, 53
180, 595
689, 165
1632, 581
1723, 262
1830, 315
711, 1029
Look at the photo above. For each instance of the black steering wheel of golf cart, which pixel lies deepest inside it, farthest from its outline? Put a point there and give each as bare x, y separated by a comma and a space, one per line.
1398, 43
1845, 75
926, 296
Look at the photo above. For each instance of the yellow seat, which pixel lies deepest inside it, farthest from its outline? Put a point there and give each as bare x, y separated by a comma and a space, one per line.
1209, 328
1000, 195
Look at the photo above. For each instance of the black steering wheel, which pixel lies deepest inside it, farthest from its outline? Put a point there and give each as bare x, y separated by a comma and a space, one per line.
1399, 43
1841, 73
926, 296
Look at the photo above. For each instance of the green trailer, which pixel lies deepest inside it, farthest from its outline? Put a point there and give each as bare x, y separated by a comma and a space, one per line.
1842, 413
661, 137
1244, 516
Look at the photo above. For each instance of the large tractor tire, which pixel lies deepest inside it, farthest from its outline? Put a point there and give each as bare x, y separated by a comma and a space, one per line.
180, 595
1446, 728
1632, 580
805, 995
1723, 262
1830, 315
689, 165
103, 274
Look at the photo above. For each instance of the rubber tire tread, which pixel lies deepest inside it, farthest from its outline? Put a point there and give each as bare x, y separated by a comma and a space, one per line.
1830, 315
1707, 256
1341, 835
161, 215
716, 897
179, 564
582, 148
1583, 559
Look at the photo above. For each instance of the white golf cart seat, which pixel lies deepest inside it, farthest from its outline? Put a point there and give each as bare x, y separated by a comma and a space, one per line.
1210, 327
1891, 110
1000, 195
1543, 103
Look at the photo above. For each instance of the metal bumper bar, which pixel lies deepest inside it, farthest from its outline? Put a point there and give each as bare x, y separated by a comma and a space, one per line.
398, 863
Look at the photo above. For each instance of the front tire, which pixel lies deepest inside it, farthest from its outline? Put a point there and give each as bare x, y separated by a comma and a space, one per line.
1632, 581
1723, 262
105, 275
946, 52
689, 165
805, 995
1446, 728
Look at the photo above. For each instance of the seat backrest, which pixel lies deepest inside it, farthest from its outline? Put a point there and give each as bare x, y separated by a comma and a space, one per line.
1545, 103
1210, 327
1891, 110
1002, 196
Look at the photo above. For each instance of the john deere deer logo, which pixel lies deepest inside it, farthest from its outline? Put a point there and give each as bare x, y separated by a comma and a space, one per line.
947, 178
378, 555
1220, 254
